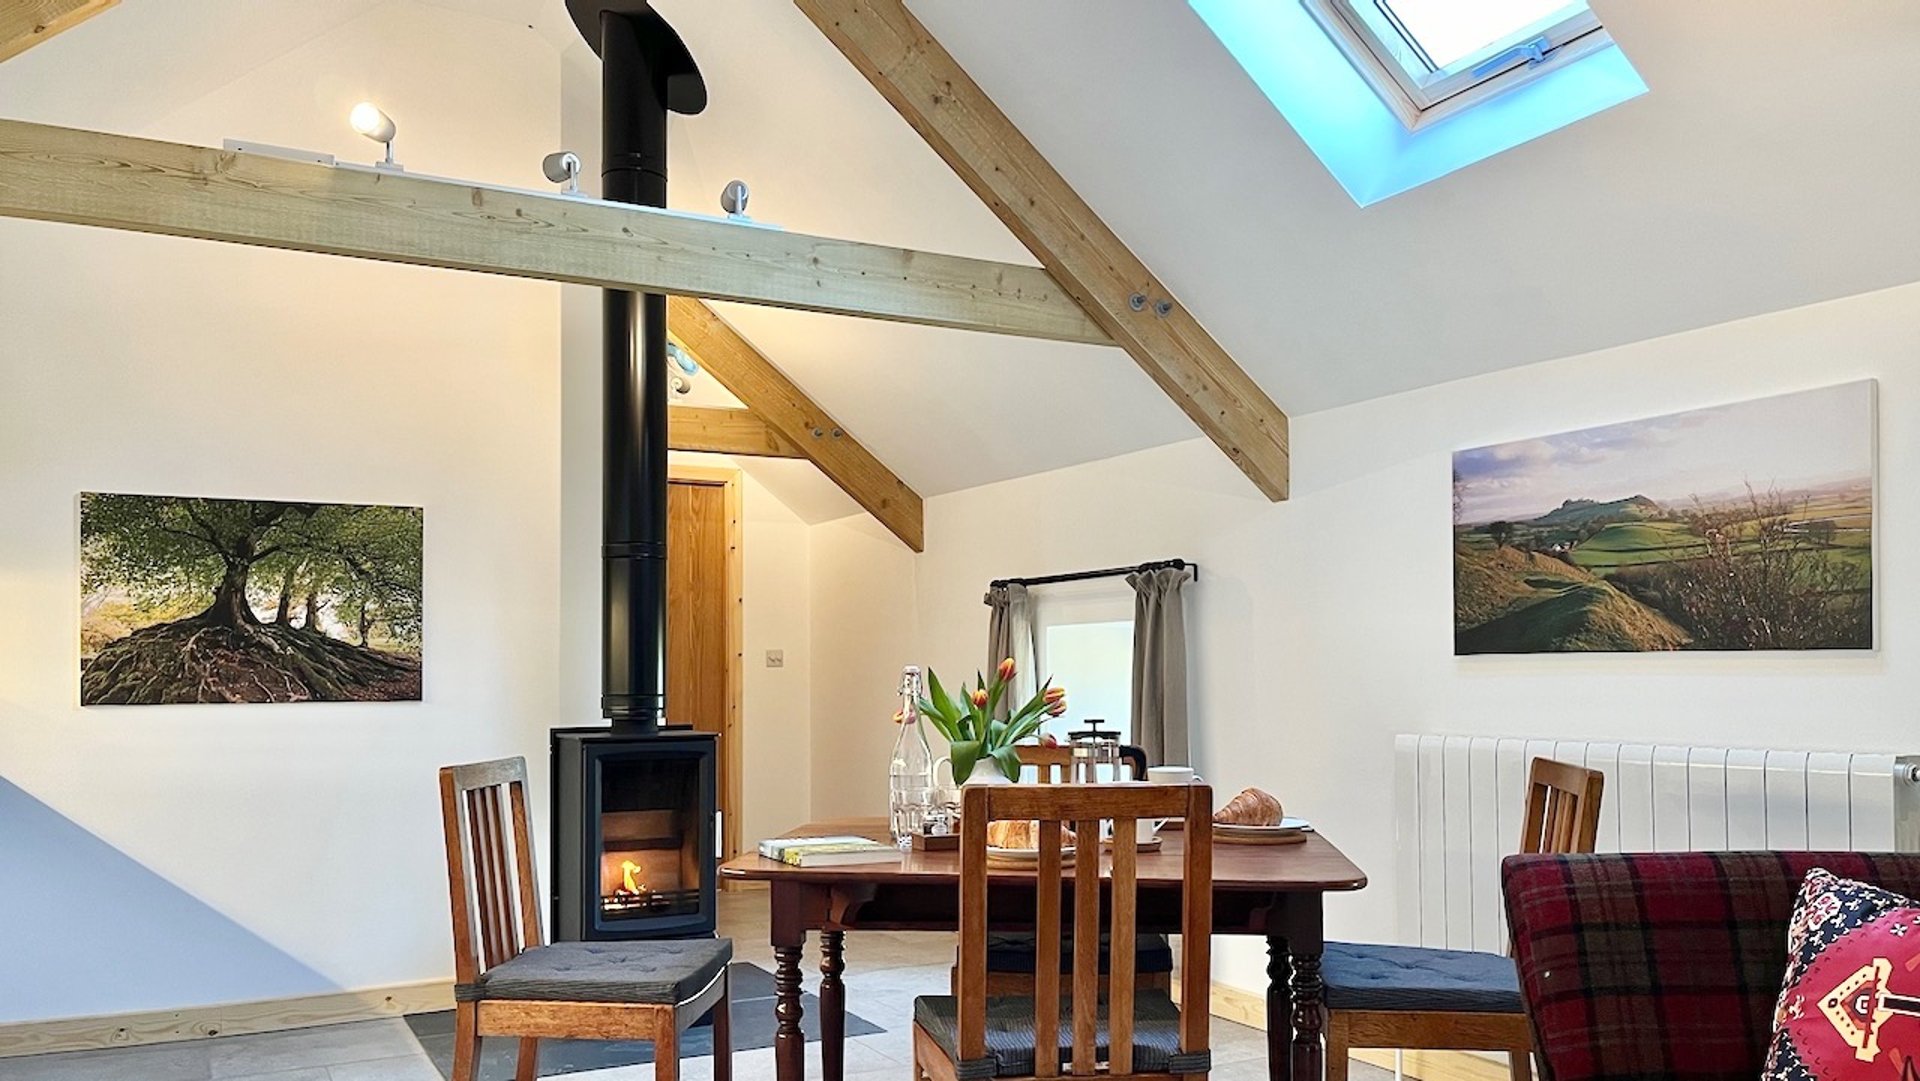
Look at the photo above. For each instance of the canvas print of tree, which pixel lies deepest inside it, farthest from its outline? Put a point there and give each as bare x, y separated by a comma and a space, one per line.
1741, 527
235, 600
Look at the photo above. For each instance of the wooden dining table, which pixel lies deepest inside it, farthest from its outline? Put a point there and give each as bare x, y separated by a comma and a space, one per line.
1276, 891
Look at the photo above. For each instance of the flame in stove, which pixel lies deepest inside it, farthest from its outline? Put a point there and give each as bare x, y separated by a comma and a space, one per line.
628, 883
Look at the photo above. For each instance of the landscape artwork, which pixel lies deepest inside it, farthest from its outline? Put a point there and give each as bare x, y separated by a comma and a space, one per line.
1740, 527
187, 599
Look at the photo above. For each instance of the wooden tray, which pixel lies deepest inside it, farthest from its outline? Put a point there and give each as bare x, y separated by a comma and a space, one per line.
936, 842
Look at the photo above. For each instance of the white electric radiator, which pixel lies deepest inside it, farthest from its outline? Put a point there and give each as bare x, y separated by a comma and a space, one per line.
1459, 801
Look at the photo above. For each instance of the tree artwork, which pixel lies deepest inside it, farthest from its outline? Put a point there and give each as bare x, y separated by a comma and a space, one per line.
231, 600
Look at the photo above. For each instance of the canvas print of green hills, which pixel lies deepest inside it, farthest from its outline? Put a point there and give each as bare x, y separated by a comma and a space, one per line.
1740, 527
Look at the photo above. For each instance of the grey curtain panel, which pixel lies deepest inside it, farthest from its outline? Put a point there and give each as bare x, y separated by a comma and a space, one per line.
1010, 634
1160, 664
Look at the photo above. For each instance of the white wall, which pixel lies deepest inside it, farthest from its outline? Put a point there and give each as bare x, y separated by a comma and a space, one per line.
1322, 626
864, 631
307, 833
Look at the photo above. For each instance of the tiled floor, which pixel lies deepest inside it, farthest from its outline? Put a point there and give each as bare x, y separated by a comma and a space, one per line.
885, 970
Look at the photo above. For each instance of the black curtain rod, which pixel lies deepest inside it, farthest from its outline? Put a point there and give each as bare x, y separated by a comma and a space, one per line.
1110, 572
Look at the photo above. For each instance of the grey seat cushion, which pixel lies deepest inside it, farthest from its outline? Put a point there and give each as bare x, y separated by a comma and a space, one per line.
658, 973
1013, 952
1366, 976
1010, 1039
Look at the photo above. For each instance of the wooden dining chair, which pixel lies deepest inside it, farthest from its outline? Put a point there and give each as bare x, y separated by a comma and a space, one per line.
1050, 761
1011, 956
1455, 1000
509, 982
1129, 1032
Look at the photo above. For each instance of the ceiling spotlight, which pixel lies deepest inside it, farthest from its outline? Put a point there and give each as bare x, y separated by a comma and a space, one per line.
368, 120
563, 167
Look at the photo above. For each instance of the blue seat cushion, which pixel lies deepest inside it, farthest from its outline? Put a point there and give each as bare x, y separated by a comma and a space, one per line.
663, 973
1013, 952
1366, 976
1011, 1040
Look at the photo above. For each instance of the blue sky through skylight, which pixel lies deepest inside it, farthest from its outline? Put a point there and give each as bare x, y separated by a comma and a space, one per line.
1359, 139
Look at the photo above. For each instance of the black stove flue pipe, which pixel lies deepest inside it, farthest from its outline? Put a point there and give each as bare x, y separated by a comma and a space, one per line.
646, 72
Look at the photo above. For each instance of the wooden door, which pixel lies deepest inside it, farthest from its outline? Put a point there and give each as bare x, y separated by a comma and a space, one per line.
698, 607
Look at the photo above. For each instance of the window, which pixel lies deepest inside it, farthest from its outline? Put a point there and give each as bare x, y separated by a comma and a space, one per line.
1084, 633
1352, 105
1428, 59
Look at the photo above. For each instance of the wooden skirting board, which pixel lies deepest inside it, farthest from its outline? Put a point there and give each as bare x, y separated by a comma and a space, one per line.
1250, 1009
234, 1019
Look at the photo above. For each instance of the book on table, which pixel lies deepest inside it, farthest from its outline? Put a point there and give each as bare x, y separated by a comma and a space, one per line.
827, 851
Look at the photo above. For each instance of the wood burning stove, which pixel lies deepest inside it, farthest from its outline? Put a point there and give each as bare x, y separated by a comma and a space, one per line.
635, 845
635, 834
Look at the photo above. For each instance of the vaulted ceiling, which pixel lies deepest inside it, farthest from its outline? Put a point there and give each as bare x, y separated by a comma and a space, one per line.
1765, 169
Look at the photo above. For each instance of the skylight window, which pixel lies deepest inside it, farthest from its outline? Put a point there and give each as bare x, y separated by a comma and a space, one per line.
1373, 120
1428, 59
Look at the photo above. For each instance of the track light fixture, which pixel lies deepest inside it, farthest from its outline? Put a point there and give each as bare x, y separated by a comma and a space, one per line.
563, 167
733, 200
368, 119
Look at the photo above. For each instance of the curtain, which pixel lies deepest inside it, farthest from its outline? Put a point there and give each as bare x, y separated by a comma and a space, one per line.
1160, 664
1010, 634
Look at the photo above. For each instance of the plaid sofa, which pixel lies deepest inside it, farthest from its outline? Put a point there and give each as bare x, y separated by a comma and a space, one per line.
1665, 966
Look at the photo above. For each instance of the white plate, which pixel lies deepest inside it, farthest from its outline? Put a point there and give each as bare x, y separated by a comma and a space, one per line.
1287, 825
1023, 855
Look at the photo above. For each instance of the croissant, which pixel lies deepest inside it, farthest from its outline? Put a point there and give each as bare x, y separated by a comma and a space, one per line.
1013, 834
1020, 835
1251, 807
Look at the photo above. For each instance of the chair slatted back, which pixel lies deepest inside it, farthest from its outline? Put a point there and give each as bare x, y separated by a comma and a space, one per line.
1052, 762
483, 807
1563, 808
1083, 807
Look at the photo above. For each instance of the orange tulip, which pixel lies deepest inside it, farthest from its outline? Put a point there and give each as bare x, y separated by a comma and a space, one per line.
1058, 709
1055, 694
979, 697
1006, 669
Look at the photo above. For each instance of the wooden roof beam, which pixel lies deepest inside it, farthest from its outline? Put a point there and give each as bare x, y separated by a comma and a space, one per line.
119, 182
726, 431
26, 23
785, 408
935, 95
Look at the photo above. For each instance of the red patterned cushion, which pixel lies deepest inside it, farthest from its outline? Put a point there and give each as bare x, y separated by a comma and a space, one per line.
1849, 1008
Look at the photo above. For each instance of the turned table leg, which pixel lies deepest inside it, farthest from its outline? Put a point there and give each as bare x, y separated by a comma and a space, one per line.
789, 1044
1309, 1016
833, 1006
1279, 1011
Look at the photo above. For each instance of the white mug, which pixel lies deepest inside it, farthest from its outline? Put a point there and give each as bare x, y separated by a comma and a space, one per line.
1145, 829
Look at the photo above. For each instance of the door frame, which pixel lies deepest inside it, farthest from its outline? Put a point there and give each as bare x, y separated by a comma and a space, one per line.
728, 480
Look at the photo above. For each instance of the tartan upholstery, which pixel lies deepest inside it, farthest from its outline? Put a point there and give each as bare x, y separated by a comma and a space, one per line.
1636, 967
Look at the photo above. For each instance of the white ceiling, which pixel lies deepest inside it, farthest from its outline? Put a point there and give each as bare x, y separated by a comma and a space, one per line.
1767, 168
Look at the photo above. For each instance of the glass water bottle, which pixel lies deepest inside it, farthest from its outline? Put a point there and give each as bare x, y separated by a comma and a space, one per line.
910, 775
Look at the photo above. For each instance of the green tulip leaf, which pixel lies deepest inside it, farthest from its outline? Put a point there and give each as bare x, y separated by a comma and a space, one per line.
1008, 759
966, 752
